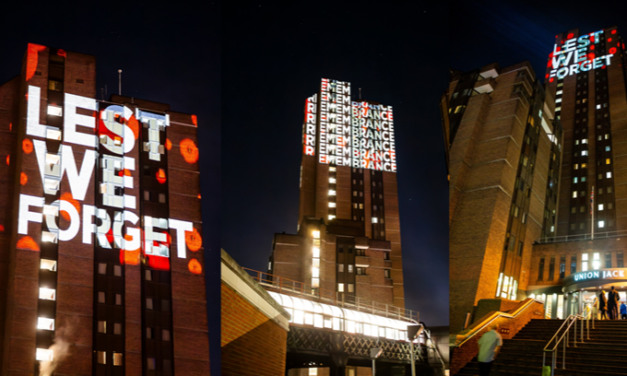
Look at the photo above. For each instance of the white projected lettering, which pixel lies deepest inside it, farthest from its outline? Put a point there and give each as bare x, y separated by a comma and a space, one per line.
309, 127
335, 123
373, 137
576, 54
117, 131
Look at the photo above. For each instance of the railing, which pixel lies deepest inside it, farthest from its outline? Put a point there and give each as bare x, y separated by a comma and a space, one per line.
477, 329
434, 345
589, 236
570, 322
289, 286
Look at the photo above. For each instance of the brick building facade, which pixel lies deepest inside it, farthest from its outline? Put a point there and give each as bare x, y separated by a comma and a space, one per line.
101, 264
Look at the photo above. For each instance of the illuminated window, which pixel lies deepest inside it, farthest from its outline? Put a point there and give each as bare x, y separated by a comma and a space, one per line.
332, 168
584, 152
101, 297
331, 204
331, 216
47, 294
55, 85
332, 181
55, 110
102, 357
117, 328
386, 273
576, 166
117, 359
340, 268
609, 189
315, 234
48, 265
102, 326
316, 252
148, 275
608, 175
350, 268
313, 371
574, 194
601, 224
102, 268
607, 148
600, 207
351, 287
44, 355
165, 335
331, 192
315, 282
374, 219
584, 262
44, 323
48, 237
596, 261
584, 165
340, 287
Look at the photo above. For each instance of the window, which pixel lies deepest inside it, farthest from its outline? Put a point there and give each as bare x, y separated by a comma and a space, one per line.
386, 273
609, 189
162, 198
551, 268
340, 268
55, 110
350, 268
101, 297
150, 364
360, 271
608, 260
148, 275
44, 323
575, 179
584, 262
340, 287
47, 294
619, 260
48, 265
601, 224
351, 287
150, 333
102, 326
146, 195
608, 175
148, 303
600, 207
596, 261
574, 194
102, 268
607, 161
331, 192
117, 270
165, 335
117, 328
541, 269
118, 299
573, 264
331, 204
562, 266
102, 357
117, 359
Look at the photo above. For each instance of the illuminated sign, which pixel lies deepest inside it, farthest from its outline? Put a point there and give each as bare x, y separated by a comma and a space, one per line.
114, 225
576, 54
603, 274
373, 137
335, 122
309, 127
354, 134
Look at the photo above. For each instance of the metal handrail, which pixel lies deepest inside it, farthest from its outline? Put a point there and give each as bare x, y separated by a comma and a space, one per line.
286, 285
572, 322
588, 236
435, 347
495, 316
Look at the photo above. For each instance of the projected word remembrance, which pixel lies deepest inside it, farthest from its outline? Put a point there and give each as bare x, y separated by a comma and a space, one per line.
353, 134
114, 224
577, 54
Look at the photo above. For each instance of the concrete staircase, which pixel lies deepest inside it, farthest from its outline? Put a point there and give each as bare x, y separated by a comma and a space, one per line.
605, 353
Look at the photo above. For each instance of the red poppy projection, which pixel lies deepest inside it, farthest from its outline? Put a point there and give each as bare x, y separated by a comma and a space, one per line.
189, 151
23, 178
194, 266
28, 243
32, 59
27, 146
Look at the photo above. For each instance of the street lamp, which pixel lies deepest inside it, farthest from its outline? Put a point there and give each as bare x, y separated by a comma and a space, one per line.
413, 332
375, 352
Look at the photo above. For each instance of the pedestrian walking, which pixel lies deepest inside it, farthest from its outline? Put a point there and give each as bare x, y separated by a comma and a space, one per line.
623, 311
612, 304
489, 345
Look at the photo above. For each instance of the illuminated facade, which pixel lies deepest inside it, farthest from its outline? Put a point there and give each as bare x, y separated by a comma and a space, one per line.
557, 232
102, 256
348, 239
503, 158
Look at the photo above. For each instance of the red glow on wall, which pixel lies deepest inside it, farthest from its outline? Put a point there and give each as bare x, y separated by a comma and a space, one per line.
109, 235
8, 160
570, 36
613, 50
558, 48
129, 257
609, 39
168, 144
614, 31
199, 196
547, 76
27, 146
161, 176
592, 38
1, 228
32, 58
134, 125
189, 151
23, 178
194, 120
158, 262
62, 53
193, 240
194, 266
551, 80
67, 196
592, 47
591, 56
26, 242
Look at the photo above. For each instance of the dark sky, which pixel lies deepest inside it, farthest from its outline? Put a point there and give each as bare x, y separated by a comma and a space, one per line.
273, 59
167, 54
506, 32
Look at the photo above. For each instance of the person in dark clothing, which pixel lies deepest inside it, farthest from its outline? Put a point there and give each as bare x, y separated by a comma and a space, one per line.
612, 304
603, 305
623, 311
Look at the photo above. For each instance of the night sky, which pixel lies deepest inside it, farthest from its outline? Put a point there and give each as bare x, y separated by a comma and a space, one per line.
483, 32
167, 54
273, 59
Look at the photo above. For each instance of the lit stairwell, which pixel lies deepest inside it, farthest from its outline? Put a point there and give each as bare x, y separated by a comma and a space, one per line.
605, 353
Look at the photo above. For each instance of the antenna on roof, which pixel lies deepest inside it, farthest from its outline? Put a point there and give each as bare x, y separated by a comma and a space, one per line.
120, 81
